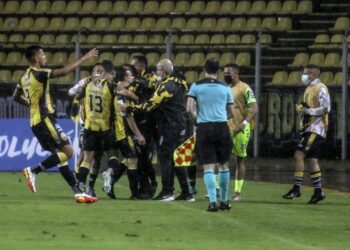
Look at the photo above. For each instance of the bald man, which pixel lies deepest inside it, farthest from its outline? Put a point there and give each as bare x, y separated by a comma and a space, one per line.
169, 101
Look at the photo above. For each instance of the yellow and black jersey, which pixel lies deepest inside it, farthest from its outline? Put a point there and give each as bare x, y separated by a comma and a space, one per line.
145, 85
316, 95
100, 108
119, 126
35, 86
169, 100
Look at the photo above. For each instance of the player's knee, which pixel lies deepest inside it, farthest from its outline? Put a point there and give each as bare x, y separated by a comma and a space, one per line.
313, 162
68, 150
298, 156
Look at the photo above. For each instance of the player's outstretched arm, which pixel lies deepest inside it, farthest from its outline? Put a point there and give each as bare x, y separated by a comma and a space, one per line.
72, 66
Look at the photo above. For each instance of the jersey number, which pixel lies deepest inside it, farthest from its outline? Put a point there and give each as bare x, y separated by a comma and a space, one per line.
97, 105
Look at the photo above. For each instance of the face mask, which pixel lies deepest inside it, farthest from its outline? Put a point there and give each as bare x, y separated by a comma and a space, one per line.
228, 79
305, 79
159, 78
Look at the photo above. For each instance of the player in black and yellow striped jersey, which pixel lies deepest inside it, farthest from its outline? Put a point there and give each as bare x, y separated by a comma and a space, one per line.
313, 131
124, 128
169, 100
77, 91
34, 92
145, 84
100, 112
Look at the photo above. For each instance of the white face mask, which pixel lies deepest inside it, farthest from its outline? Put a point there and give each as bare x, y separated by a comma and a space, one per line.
305, 79
159, 78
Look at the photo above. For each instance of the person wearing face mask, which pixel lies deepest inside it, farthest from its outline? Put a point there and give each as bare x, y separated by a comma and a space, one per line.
208, 102
169, 101
245, 108
313, 130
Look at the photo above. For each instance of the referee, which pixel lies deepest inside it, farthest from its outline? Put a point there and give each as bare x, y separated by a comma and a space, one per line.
213, 145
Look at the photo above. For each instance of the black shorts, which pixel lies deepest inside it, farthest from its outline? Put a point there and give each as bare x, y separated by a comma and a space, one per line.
50, 135
213, 143
97, 140
311, 145
124, 148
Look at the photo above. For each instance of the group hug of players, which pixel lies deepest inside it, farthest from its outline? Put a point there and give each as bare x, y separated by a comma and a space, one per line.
106, 129
129, 113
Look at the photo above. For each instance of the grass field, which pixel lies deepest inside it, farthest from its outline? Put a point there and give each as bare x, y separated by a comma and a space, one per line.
50, 219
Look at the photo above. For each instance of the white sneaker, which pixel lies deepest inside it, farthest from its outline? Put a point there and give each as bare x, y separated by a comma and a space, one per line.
30, 177
107, 177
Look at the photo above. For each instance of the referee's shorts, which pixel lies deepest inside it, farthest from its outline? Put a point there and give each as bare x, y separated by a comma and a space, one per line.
213, 143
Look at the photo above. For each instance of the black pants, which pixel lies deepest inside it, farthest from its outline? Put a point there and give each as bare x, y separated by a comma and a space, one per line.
144, 154
169, 140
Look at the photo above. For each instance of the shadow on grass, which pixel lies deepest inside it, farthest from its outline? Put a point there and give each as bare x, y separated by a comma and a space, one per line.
282, 202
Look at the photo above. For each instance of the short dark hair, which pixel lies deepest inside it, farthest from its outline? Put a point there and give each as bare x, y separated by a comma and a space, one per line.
96, 64
107, 66
312, 66
121, 72
31, 51
127, 66
233, 66
212, 66
141, 59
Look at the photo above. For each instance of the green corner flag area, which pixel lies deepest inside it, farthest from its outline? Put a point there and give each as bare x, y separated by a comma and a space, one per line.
50, 219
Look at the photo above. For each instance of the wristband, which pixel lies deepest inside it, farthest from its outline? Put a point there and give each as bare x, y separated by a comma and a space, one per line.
244, 122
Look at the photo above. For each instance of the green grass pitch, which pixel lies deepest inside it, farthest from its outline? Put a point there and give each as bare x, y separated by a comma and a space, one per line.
50, 219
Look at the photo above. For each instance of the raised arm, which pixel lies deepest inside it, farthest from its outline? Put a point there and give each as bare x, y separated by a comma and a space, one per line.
72, 66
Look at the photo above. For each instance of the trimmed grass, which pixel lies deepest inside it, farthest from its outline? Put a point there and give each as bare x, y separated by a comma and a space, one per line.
50, 219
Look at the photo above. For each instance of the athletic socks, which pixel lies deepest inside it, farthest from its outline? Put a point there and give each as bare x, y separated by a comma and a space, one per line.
217, 182
316, 178
51, 161
67, 175
238, 185
83, 172
92, 180
94, 172
133, 182
224, 181
209, 181
298, 179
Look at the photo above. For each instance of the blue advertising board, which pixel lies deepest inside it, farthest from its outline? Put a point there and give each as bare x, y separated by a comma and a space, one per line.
19, 148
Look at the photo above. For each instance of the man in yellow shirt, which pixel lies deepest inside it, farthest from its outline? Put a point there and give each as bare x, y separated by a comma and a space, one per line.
33, 91
313, 130
240, 125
